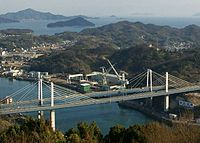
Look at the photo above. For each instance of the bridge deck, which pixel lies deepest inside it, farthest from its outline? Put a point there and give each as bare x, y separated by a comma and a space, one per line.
32, 108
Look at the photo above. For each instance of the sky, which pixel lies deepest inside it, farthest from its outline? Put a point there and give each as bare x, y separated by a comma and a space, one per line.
164, 8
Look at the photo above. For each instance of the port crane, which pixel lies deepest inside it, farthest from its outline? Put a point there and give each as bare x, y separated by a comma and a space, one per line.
121, 76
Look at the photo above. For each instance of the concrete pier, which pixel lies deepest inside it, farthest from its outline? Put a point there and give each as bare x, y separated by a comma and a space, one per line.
52, 119
52, 112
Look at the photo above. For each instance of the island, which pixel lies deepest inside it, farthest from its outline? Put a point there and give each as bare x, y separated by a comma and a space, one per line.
13, 31
31, 14
79, 21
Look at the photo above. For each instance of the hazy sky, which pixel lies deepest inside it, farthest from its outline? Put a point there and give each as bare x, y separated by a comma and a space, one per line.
106, 7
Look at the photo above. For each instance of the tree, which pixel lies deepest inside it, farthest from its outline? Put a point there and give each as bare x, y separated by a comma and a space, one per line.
134, 134
116, 134
30, 132
86, 133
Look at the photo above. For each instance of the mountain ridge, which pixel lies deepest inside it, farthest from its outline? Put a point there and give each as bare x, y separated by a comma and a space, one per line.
125, 34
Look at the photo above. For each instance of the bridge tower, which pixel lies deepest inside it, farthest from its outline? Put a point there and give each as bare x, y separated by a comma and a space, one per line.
166, 98
40, 95
150, 79
150, 82
147, 78
52, 112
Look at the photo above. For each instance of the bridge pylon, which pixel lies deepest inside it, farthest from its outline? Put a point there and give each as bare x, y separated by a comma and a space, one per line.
150, 82
40, 96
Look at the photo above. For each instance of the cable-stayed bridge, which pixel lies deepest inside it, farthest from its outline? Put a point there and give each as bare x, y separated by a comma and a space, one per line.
41, 95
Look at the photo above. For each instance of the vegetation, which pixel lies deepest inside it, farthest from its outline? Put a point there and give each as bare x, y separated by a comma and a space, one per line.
126, 34
31, 131
23, 38
17, 42
184, 64
84, 134
127, 45
39, 131
74, 60
124, 43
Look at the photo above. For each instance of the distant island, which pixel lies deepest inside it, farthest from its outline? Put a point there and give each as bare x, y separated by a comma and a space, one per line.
79, 21
32, 14
16, 31
83, 16
6, 20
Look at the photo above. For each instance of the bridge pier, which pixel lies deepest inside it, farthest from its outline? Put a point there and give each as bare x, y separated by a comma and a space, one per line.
166, 98
166, 103
52, 119
52, 112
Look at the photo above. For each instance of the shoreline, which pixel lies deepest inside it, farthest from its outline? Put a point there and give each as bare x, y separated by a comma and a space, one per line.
19, 78
160, 117
148, 112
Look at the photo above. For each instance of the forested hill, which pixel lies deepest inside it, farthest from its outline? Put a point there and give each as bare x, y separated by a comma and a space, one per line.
125, 34
134, 60
184, 64
134, 47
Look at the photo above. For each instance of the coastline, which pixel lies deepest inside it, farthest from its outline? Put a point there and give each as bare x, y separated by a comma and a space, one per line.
157, 116
146, 111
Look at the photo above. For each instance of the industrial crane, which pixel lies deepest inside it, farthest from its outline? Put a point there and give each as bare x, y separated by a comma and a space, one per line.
121, 77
